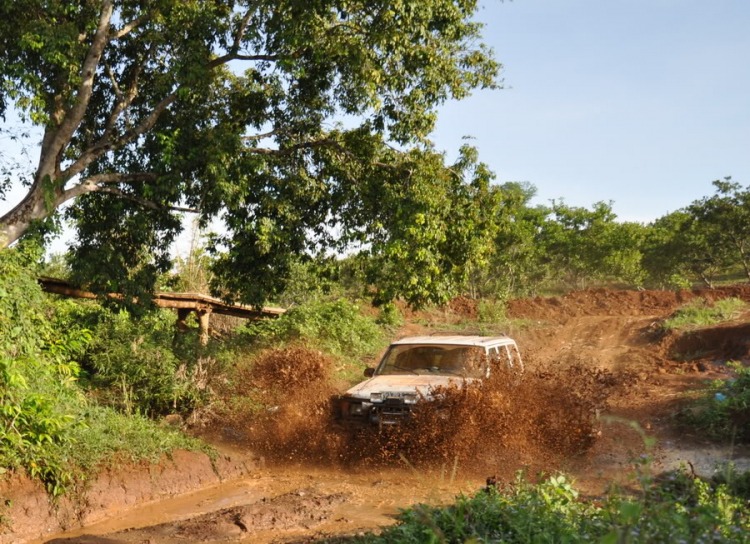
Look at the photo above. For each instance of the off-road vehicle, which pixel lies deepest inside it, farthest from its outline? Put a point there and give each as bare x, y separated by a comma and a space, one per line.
414, 367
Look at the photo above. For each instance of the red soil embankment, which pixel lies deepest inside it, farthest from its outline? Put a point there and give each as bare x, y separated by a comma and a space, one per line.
31, 514
599, 302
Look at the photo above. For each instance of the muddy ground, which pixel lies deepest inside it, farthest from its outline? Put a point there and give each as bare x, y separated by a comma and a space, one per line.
597, 361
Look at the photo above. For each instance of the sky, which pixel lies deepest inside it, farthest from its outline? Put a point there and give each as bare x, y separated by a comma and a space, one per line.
642, 102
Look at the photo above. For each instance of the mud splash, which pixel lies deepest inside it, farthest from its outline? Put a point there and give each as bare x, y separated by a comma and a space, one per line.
505, 420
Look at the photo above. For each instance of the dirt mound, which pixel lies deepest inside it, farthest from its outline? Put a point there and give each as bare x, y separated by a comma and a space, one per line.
465, 307
731, 341
599, 302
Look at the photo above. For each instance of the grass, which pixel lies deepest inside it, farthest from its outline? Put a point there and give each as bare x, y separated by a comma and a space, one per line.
700, 313
111, 438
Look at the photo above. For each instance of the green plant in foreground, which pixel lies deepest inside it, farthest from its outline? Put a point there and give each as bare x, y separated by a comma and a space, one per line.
47, 425
678, 509
700, 313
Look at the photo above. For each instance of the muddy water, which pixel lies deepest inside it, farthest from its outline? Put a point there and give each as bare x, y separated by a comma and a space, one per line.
367, 499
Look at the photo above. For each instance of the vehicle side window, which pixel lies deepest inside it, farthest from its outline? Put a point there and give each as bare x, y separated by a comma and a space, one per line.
503, 356
516, 356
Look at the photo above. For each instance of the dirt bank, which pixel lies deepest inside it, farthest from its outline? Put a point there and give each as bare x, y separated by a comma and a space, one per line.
608, 302
30, 513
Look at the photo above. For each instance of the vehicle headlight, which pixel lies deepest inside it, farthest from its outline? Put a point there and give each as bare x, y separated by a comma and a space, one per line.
356, 409
376, 397
411, 398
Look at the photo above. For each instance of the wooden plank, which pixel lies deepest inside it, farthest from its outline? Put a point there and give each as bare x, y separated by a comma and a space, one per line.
180, 301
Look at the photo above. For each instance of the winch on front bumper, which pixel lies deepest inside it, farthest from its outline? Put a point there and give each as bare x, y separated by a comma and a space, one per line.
381, 409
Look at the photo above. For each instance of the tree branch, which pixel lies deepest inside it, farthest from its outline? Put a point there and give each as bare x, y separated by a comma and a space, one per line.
98, 184
129, 27
93, 152
73, 117
241, 31
144, 201
268, 134
292, 148
122, 178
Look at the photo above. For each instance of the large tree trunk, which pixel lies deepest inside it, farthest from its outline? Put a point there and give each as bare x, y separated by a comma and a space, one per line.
17, 221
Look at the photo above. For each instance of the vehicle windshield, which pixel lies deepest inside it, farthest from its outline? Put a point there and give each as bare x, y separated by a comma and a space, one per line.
444, 359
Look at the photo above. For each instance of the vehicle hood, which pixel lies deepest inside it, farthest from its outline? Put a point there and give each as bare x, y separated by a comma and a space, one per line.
400, 384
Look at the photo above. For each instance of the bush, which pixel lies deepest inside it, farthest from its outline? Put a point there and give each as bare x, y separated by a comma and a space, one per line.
47, 426
337, 327
491, 311
724, 409
700, 313
680, 509
134, 365
390, 315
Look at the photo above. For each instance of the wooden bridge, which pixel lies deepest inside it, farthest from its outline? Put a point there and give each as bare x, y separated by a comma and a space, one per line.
184, 303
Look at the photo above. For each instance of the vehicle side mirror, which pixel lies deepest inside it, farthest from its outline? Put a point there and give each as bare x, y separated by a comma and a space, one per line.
369, 372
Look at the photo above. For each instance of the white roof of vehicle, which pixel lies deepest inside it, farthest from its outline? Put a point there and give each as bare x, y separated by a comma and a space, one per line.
482, 341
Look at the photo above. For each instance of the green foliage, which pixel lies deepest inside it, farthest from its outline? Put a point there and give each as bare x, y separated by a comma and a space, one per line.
111, 437
37, 377
134, 363
542, 249
337, 327
390, 315
681, 509
47, 426
168, 124
701, 313
724, 409
491, 311
588, 245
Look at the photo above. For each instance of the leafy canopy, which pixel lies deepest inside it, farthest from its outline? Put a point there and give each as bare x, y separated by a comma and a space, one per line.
303, 125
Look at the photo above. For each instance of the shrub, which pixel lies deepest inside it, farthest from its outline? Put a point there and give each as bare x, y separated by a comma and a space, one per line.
700, 313
680, 509
337, 327
135, 366
491, 311
47, 426
724, 409
37, 380
390, 315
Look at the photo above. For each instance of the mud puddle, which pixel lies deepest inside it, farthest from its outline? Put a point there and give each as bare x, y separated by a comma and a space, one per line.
280, 503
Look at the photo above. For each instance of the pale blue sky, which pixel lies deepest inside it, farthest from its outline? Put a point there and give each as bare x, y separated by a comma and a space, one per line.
643, 102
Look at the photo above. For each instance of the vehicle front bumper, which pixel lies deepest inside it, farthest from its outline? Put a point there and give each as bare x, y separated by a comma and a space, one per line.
390, 411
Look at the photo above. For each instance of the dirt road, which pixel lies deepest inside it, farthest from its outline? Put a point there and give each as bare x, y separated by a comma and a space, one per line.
299, 500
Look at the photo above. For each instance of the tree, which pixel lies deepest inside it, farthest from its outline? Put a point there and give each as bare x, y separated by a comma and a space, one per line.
584, 245
678, 248
726, 216
516, 266
146, 114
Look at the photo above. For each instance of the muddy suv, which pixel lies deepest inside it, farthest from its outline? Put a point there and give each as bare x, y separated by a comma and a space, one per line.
413, 367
